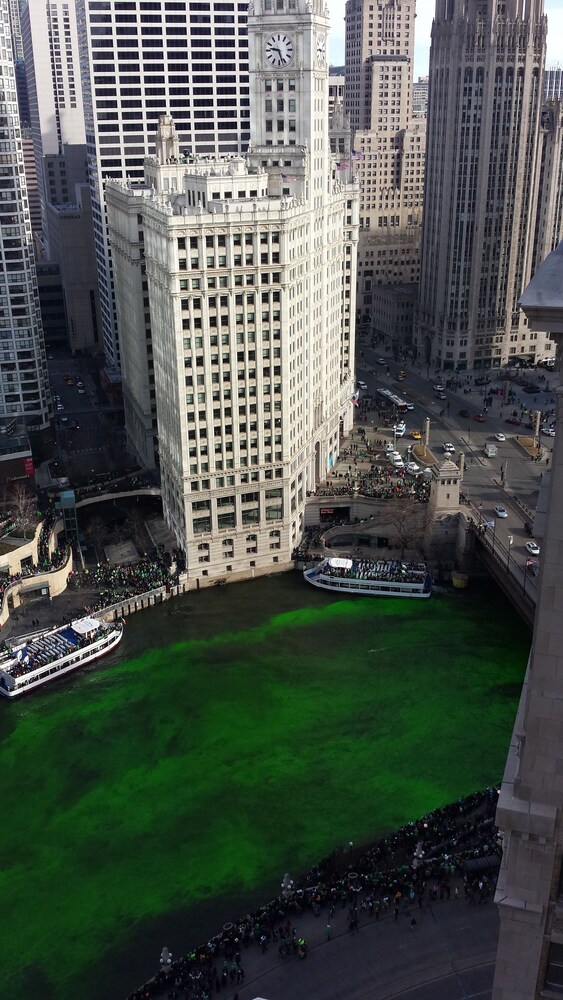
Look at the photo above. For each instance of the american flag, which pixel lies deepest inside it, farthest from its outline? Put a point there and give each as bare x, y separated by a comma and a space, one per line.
356, 155
288, 177
343, 165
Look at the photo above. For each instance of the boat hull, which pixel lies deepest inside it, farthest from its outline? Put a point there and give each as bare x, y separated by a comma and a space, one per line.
65, 665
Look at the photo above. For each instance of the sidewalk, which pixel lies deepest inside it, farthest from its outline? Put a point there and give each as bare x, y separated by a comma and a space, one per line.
448, 956
49, 612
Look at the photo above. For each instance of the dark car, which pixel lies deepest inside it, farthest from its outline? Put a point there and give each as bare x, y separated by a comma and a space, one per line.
514, 420
480, 418
464, 413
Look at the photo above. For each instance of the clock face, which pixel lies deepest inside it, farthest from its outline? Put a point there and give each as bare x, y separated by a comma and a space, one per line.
279, 49
321, 49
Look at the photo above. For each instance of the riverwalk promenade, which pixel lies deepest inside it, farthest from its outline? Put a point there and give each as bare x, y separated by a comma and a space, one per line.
419, 925
447, 955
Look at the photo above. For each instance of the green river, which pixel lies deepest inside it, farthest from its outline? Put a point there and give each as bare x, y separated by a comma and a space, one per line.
237, 733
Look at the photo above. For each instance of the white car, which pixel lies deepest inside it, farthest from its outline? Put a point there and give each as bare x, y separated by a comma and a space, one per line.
549, 431
448, 448
500, 511
499, 436
399, 429
361, 385
412, 467
438, 388
389, 447
410, 406
533, 548
398, 462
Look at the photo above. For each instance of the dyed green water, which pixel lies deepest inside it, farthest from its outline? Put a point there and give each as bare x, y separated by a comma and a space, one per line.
150, 799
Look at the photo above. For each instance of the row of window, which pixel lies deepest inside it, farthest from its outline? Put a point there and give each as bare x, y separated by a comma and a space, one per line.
202, 525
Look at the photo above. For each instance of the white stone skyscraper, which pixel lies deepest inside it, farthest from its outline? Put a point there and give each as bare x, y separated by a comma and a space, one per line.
24, 382
250, 267
482, 178
139, 60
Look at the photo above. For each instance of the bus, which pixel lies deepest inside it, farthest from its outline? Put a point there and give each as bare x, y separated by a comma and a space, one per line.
387, 398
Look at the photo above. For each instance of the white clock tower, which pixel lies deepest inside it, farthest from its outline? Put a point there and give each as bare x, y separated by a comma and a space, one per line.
289, 95
251, 267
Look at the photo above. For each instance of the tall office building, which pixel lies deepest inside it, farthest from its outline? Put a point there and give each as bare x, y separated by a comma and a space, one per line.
549, 216
482, 179
390, 145
250, 271
24, 383
553, 83
52, 69
188, 60
15, 29
420, 97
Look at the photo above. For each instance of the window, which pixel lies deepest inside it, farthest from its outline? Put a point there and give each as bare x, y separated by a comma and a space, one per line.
201, 525
554, 974
251, 516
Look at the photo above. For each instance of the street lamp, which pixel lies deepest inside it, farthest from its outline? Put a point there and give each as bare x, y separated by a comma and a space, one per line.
350, 849
510, 542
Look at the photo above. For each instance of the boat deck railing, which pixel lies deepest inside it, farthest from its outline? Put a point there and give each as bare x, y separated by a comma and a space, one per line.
47, 649
384, 571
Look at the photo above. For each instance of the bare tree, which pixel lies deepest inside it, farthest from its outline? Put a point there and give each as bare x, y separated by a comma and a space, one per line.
404, 516
97, 529
24, 507
135, 523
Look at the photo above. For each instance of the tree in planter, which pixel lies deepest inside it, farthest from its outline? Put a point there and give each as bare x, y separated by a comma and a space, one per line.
97, 530
404, 516
135, 523
23, 504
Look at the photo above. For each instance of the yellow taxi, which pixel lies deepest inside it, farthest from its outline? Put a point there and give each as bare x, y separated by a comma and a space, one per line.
415, 435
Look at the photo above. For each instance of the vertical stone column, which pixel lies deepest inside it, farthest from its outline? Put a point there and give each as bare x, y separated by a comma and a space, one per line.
529, 893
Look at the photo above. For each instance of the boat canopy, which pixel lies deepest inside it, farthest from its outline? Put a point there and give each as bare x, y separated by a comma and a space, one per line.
340, 563
86, 625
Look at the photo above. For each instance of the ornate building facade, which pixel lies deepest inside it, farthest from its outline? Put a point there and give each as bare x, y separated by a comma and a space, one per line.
250, 272
482, 183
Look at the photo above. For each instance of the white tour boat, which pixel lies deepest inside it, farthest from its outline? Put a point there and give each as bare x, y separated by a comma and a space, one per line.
371, 577
32, 661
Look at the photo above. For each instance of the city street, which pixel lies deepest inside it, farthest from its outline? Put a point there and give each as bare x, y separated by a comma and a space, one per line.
482, 482
84, 421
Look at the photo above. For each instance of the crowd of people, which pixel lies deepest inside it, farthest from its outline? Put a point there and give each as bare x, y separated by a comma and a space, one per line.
380, 484
380, 569
423, 862
118, 583
46, 561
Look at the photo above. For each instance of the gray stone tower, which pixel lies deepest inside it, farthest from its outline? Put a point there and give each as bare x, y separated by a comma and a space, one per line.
530, 809
441, 529
482, 178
